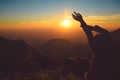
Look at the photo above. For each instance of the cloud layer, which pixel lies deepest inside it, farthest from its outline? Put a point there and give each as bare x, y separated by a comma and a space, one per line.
104, 19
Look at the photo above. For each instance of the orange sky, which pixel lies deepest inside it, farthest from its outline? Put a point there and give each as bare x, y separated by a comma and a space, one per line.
37, 19
110, 22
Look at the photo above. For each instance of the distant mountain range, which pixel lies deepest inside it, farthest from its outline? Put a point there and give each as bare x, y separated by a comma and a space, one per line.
19, 55
59, 49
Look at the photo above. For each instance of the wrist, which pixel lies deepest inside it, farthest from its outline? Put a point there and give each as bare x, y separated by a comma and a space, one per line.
83, 24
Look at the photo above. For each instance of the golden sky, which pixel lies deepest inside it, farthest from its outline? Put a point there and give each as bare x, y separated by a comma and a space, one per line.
53, 17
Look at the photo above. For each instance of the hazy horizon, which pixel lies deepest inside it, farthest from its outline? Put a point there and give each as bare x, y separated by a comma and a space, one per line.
41, 20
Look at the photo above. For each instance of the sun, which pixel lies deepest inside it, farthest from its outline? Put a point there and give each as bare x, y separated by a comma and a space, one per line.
66, 23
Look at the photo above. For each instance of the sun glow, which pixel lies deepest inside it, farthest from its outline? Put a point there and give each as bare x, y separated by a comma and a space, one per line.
66, 23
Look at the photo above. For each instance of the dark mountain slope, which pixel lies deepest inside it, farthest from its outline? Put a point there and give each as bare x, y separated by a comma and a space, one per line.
59, 49
16, 55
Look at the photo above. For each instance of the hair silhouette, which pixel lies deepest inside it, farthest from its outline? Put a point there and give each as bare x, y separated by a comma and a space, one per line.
104, 57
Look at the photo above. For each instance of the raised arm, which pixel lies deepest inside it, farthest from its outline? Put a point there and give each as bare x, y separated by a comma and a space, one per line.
100, 30
87, 29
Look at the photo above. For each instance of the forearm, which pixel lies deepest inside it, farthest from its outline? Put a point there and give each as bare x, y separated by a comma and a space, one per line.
88, 31
100, 30
90, 39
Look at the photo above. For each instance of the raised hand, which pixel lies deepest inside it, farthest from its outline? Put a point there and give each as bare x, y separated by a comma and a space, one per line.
78, 17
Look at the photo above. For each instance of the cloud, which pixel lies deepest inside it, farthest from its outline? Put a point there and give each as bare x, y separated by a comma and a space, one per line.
22, 22
34, 22
107, 18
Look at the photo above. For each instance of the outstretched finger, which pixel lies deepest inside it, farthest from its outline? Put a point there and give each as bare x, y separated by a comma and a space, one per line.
73, 16
76, 13
79, 15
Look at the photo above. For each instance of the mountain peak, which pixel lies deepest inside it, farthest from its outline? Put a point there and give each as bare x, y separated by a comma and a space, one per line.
58, 42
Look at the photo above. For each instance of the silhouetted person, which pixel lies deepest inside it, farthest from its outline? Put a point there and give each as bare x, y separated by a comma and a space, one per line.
104, 60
